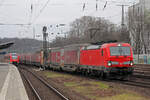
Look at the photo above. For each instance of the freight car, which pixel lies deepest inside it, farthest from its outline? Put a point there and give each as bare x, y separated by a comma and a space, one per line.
104, 60
12, 58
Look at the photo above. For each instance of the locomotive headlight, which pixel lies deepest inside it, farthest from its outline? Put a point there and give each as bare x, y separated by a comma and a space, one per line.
109, 63
131, 63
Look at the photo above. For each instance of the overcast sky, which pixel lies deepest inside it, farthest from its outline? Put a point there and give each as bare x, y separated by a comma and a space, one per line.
52, 12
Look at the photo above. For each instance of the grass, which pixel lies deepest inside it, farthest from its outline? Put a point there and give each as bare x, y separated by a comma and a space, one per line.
93, 84
124, 96
100, 85
87, 88
95, 90
70, 84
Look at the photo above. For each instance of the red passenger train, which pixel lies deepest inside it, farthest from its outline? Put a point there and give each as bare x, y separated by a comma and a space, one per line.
12, 58
105, 60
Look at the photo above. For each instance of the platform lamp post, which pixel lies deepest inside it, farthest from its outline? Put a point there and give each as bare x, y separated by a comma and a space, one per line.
45, 35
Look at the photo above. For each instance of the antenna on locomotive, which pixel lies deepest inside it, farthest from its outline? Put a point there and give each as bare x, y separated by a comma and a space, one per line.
102, 42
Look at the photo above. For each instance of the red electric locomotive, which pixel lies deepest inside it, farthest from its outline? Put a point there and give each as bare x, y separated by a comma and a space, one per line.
12, 58
108, 59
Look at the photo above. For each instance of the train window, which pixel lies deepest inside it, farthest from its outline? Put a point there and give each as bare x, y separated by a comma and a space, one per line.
102, 52
14, 57
93, 47
84, 48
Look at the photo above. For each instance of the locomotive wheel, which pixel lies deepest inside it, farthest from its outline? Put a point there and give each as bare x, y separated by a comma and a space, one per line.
87, 74
124, 78
103, 75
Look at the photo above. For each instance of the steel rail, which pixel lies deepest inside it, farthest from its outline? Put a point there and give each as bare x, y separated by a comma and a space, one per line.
142, 76
138, 84
49, 86
32, 88
129, 82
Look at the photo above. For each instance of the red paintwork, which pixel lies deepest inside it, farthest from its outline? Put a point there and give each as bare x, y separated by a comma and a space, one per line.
55, 57
120, 59
91, 57
35, 57
95, 58
10, 59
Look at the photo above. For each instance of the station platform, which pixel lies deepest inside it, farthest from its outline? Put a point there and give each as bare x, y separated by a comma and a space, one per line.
11, 84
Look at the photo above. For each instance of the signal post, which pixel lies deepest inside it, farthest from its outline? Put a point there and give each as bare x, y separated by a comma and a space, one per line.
45, 51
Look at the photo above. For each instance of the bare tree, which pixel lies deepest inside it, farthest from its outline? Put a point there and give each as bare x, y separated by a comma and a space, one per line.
139, 28
94, 29
89, 29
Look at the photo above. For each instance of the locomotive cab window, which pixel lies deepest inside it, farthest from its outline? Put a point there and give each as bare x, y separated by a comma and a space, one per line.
120, 51
14, 57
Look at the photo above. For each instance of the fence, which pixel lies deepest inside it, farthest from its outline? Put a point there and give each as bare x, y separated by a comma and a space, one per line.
143, 59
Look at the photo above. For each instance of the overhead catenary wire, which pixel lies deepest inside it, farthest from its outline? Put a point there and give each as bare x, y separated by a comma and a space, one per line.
116, 2
83, 7
15, 24
42, 9
32, 7
106, 3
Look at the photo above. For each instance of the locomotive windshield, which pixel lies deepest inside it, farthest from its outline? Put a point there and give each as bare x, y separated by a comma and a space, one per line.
14, 56
120, 51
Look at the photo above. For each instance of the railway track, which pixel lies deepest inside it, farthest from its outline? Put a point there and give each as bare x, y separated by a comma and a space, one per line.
141, 81
142, 71
36, 95
142, 68
136, 80
138, 84
140, 77
40, 88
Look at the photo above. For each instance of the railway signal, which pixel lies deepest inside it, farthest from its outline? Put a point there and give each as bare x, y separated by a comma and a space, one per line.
45, 35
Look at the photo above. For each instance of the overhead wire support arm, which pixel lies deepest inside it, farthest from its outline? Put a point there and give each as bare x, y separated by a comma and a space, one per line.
14, 24
122, 19
92, 34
